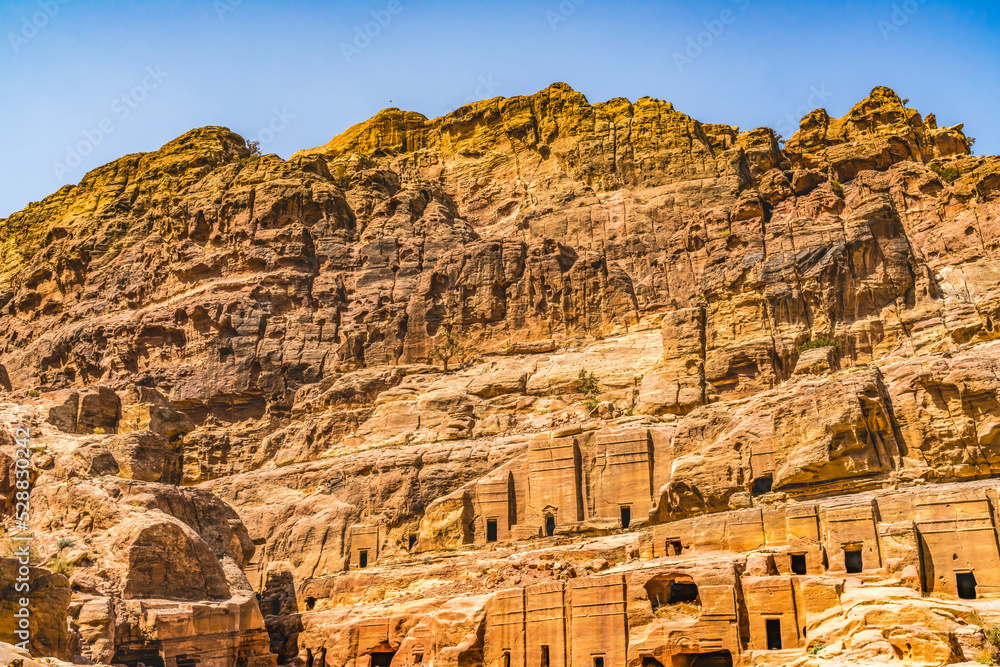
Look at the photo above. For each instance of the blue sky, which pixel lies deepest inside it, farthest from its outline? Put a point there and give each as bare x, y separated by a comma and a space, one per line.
84, 82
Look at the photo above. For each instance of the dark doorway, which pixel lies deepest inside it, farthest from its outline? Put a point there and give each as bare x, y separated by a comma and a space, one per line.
310, 603
491, 530
275, 606
716, 659
545, 657
363, 562
418, 658
762, 485
184, 661
309, 657
413, 541
966, 585
674, 547
798, 563
626, 516
650, 661
550, 525
683, 593
382, 658
150, 657
505, 662
598, 661
853, 561
773, 634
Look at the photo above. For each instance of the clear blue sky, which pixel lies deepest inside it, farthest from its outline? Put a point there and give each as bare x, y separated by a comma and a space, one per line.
65, 66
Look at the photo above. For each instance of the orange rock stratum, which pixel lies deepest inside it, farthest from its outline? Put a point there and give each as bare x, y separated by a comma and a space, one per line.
539, 383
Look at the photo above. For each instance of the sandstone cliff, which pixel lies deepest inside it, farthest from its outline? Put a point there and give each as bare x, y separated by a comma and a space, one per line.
717, 400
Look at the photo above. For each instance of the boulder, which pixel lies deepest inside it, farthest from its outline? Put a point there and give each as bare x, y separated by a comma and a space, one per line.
49, 594
165, 558
146, 456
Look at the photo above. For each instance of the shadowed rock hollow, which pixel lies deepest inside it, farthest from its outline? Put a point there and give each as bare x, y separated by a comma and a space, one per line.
716, 401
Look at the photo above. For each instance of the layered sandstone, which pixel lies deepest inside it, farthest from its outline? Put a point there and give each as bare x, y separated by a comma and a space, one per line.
718, 400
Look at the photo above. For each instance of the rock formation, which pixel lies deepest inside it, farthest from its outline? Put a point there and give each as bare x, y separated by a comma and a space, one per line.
710, 399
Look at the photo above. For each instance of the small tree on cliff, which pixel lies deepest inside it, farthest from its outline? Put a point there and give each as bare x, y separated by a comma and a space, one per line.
448, 347
588, 386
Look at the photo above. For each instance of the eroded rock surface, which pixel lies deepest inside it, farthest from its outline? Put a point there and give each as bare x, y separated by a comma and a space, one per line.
713, 401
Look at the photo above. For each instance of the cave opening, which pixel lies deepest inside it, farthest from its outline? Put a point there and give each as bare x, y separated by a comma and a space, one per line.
683, 592
382, 658
148, 655
763, 485
966, 582
853, 560
665, 591
773, 626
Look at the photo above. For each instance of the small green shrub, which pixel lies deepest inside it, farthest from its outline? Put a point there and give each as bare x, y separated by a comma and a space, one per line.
99, 430
816, 648
448, 346
64, 542
947, 174
985, 657
819, 342
588, 386
254, 148
340, 177
34, 393
61, 566
837, 187
993, 635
